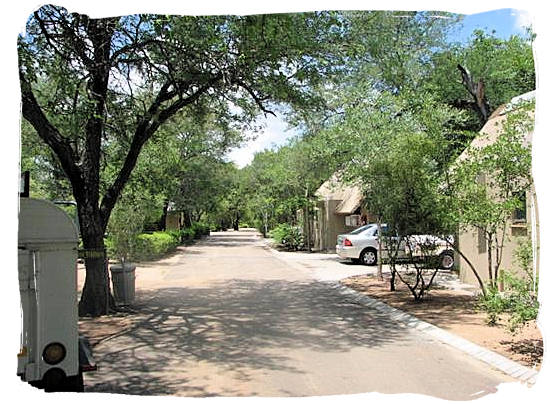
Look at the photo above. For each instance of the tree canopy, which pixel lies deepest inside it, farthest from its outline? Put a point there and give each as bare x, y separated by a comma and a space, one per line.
141, 110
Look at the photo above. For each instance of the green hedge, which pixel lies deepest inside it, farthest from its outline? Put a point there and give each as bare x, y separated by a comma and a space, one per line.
149, 246
154, 245
186, 235
200, 229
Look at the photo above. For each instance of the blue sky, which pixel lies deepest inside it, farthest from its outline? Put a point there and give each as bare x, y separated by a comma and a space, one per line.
504, 22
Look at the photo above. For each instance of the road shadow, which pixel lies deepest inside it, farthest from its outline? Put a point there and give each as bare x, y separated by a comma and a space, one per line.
238, 326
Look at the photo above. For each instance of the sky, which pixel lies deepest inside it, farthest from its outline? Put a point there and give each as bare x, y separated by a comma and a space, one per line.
504, 22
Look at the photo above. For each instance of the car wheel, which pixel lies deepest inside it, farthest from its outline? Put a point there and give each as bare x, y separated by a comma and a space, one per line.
368, 257
446, 260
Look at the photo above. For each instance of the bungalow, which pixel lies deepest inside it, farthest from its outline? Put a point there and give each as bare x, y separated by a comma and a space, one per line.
338, 210
173, 219
524, 221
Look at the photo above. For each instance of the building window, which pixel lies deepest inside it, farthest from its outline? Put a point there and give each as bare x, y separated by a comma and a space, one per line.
520, 213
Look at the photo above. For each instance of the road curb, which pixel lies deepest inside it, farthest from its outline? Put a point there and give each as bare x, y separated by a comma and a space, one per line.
493, 359
497, 361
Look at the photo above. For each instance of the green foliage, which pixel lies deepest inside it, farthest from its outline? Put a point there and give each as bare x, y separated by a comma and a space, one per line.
126, 224
154, 245
506, 67
186, 235
282, 181
396, 47
288, 237
524, 258
517, 301
149, 246
493, 303
200, 229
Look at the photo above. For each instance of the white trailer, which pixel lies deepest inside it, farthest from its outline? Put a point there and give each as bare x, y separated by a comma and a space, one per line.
52, 355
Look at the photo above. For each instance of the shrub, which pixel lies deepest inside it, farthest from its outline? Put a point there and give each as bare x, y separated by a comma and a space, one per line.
200, 229
493, 303
186, 235
517, 301
154, 245
290, 237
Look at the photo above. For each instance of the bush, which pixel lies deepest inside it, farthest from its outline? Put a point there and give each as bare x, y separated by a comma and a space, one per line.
517, 300
154, 245
200, 229
290, 237
147, 246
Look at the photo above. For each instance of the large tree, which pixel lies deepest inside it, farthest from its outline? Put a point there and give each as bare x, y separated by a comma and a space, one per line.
483, 73
88, 82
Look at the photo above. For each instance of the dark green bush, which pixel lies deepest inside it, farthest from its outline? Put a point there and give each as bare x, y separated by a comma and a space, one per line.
200, 229
186, 235
287, 236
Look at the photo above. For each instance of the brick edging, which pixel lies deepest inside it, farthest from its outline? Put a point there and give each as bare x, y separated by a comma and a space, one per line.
493, 359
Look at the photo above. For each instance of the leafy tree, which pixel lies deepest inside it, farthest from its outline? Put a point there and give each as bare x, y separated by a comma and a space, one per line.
47, 178
123, 78
204, 185
483, 74
394, 48
282, 182
399, 165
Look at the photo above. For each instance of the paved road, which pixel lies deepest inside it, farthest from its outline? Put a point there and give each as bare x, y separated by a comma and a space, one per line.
227, 317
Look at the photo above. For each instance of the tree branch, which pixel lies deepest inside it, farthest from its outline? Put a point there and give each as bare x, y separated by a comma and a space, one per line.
46, 131
145, 129
257, 99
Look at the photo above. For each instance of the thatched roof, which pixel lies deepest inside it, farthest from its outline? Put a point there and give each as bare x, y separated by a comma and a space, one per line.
349, 195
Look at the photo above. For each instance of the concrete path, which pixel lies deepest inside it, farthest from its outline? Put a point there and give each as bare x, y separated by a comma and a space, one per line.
227, 317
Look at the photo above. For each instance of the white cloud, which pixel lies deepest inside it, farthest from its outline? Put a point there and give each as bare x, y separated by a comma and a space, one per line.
522, 19
275, 133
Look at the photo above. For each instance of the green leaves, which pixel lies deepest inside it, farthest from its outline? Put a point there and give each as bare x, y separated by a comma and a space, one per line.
505, 67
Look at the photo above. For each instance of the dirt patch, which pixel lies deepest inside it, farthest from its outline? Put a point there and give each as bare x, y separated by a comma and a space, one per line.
454, 311
102, 328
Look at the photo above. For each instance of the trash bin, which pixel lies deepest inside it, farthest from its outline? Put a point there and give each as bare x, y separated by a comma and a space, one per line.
124, 282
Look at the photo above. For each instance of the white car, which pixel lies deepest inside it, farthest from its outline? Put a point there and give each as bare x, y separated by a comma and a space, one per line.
361, 245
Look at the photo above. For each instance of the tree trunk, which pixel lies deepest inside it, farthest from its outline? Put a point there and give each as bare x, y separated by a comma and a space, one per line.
265, 224
236, 222
96, 296
186, 219
379, 269
162, 221
477, 91
490, 259
392, 279
476, 274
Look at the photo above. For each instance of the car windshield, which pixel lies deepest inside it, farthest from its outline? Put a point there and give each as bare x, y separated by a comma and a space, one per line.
362, 229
